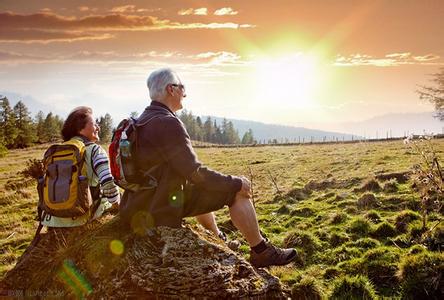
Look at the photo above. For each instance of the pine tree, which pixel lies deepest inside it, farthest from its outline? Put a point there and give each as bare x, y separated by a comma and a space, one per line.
25, 127
8, 128
208, 130
51, 128
248, 137
39, 127
106, 128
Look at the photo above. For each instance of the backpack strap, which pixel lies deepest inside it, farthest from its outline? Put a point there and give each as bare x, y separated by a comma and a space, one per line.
40, 216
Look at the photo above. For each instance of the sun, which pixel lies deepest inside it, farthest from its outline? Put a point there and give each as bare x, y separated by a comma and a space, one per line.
290, 80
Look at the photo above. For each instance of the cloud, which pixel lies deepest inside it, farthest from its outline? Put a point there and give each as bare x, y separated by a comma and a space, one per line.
83, 8
112, 57
190, 11
225, 11
427, 57
201, 11
43, 36
389, 60
35, 27
219, 58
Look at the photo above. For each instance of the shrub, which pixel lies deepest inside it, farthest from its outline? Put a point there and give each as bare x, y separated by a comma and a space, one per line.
404, 218
302, 239
421, 275
3, 150
384, 230
367, 200
373, 216
359, 226
435, 239
307, 289
348, 288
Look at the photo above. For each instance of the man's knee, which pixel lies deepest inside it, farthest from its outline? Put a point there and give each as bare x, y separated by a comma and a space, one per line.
241, 199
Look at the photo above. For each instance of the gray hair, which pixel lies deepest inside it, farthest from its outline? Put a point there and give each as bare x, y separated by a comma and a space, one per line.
158, 81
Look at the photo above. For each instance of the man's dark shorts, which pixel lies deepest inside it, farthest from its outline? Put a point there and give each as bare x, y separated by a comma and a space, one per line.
199, 201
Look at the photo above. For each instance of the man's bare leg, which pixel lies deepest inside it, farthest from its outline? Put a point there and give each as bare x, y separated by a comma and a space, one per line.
208, 221
244, 218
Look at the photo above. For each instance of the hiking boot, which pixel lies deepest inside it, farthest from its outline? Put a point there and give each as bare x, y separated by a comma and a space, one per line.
232, 244
272, 256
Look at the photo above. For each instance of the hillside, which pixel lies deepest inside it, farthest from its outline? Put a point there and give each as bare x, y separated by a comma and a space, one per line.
351, 210
282, 133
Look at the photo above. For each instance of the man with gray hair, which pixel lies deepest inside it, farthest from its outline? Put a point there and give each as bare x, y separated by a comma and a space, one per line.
184, 186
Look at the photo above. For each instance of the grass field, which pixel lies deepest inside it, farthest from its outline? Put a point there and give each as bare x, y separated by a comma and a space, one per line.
345, 207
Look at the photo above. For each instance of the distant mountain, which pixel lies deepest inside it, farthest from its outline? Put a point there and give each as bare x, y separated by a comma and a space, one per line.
265, 132
395, 124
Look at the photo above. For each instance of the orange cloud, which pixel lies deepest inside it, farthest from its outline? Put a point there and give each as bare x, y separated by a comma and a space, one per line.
33, 27
203, 11
225, 11
389, 60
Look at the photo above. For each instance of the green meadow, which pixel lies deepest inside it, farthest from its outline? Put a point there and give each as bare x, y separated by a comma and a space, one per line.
351, 211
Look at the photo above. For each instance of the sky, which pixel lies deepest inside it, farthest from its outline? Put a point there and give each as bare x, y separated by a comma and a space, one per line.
310, 63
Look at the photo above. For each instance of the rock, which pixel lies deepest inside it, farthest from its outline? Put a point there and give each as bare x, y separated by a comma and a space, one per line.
166, 263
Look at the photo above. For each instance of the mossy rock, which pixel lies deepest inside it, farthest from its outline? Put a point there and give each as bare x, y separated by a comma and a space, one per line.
307, 289
353, 288
111, 261
421, 276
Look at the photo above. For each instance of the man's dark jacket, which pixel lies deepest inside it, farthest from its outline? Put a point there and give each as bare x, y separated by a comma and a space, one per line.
163, 141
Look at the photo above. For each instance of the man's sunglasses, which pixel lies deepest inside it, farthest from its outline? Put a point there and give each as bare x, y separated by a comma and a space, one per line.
178, 85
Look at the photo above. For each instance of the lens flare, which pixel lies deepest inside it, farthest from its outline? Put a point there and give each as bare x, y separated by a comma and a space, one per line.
116, 247
72, 277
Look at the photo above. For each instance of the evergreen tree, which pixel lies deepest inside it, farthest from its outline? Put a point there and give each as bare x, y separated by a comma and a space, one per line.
51, 128
208, 130
39, 127
248, 137
25, 127
8, 128
106, 128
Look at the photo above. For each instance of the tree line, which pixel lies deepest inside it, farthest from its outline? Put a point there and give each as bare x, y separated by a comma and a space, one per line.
210, 132
18, 129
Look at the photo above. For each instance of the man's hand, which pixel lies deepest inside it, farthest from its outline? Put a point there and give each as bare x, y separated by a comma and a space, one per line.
245, 191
